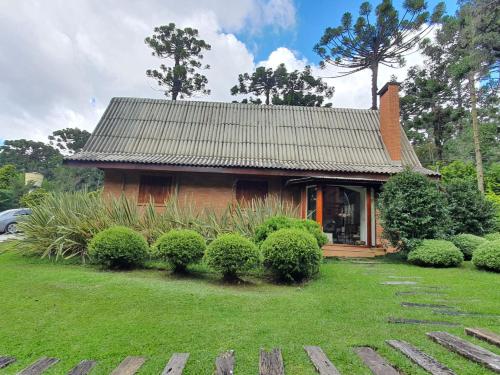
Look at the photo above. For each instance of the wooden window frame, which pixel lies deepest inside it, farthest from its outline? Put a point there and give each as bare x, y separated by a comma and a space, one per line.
144, 197
238, 181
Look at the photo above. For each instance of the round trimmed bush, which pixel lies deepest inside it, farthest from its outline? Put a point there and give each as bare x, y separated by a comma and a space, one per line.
492, 236
118, 247
487, 256
467, 243
180, 248
436, 253
291, 255
232, 254
276, 223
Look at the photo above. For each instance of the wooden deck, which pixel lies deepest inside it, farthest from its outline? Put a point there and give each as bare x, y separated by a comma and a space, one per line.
352, 251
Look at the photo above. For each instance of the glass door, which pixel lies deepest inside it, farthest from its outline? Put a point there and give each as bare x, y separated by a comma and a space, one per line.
344, 214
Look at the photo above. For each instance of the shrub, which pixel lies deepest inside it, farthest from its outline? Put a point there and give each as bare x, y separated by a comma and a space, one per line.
180, 248
467, 243
291, 254
469, 209
118, 247
33, 198
492, 236
412, 208
276, 223
436, 253
232, 254
487, 256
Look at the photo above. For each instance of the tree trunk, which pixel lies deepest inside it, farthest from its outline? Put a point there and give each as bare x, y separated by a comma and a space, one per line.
176, 84
475, 133
374, 69
268, 92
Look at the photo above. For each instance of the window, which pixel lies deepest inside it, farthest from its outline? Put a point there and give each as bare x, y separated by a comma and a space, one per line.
248, 190
311, 202
154, 188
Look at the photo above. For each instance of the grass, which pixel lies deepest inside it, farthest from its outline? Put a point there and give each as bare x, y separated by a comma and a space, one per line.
75, 312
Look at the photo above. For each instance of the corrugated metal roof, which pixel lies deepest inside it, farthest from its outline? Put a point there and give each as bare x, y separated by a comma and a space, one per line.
213, 134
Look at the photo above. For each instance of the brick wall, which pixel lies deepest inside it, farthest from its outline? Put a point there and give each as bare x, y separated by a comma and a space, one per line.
389, 120
203, 190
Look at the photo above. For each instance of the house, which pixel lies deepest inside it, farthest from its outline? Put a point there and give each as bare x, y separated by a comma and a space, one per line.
331, 161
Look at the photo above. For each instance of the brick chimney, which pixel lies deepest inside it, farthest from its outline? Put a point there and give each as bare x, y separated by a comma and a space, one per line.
389, 120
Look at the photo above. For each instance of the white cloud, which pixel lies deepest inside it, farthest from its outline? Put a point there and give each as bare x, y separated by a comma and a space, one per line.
62, 61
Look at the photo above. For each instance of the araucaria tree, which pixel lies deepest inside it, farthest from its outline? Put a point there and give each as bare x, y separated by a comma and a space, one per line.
185, 51
280, 87
385, 40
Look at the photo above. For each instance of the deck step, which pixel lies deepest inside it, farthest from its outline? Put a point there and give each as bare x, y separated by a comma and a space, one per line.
320, 361
484, 335
129, 366
176, 364
377, 364
425, 361
466, 349
83, 368
39, 366
224, 363
271, 363
5, 361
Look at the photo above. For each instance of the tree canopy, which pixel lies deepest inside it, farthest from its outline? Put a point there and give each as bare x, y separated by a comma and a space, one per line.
281, 87
70, 140
185, 51
384, 40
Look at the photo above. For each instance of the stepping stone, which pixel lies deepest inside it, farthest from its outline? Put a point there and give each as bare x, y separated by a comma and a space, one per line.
375, 362
129, 366
271, 363
5, 361
399, 283
83, 368
468, 350
481, 334
320, 361
224, 364
405, 277
425, 361
418, 321
413, 293
464, 313
39, 366
176, 364
431, 305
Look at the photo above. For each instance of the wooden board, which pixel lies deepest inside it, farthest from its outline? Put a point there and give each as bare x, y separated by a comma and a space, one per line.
83, 368
320, 361
466, 349
375, 362
5, 361
129, 366
482, 334
399, 283
418, 321
39, 366
425, 361
413, 293
176, 364
224, 364
271, 363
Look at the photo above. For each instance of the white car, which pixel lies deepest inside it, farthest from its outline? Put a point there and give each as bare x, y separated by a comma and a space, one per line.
10, 218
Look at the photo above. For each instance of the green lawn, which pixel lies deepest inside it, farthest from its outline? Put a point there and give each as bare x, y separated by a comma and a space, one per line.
74, 312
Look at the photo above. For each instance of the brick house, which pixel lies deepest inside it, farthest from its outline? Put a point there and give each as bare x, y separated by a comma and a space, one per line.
330, 161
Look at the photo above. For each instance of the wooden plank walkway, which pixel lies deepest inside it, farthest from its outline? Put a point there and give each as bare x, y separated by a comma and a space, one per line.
224, 363
5, 361
425, 361
418, 321
484, 335
467, 350
83, 368
39, 366
320, 361
429, 305
375, 362
176, 364
271, 363
129, 366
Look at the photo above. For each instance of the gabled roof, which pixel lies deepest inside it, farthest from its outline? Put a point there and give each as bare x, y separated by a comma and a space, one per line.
212, 134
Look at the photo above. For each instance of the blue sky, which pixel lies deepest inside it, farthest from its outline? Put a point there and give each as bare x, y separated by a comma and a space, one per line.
312, 17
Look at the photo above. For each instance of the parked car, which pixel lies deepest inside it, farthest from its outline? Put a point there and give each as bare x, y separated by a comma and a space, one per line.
10, 218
